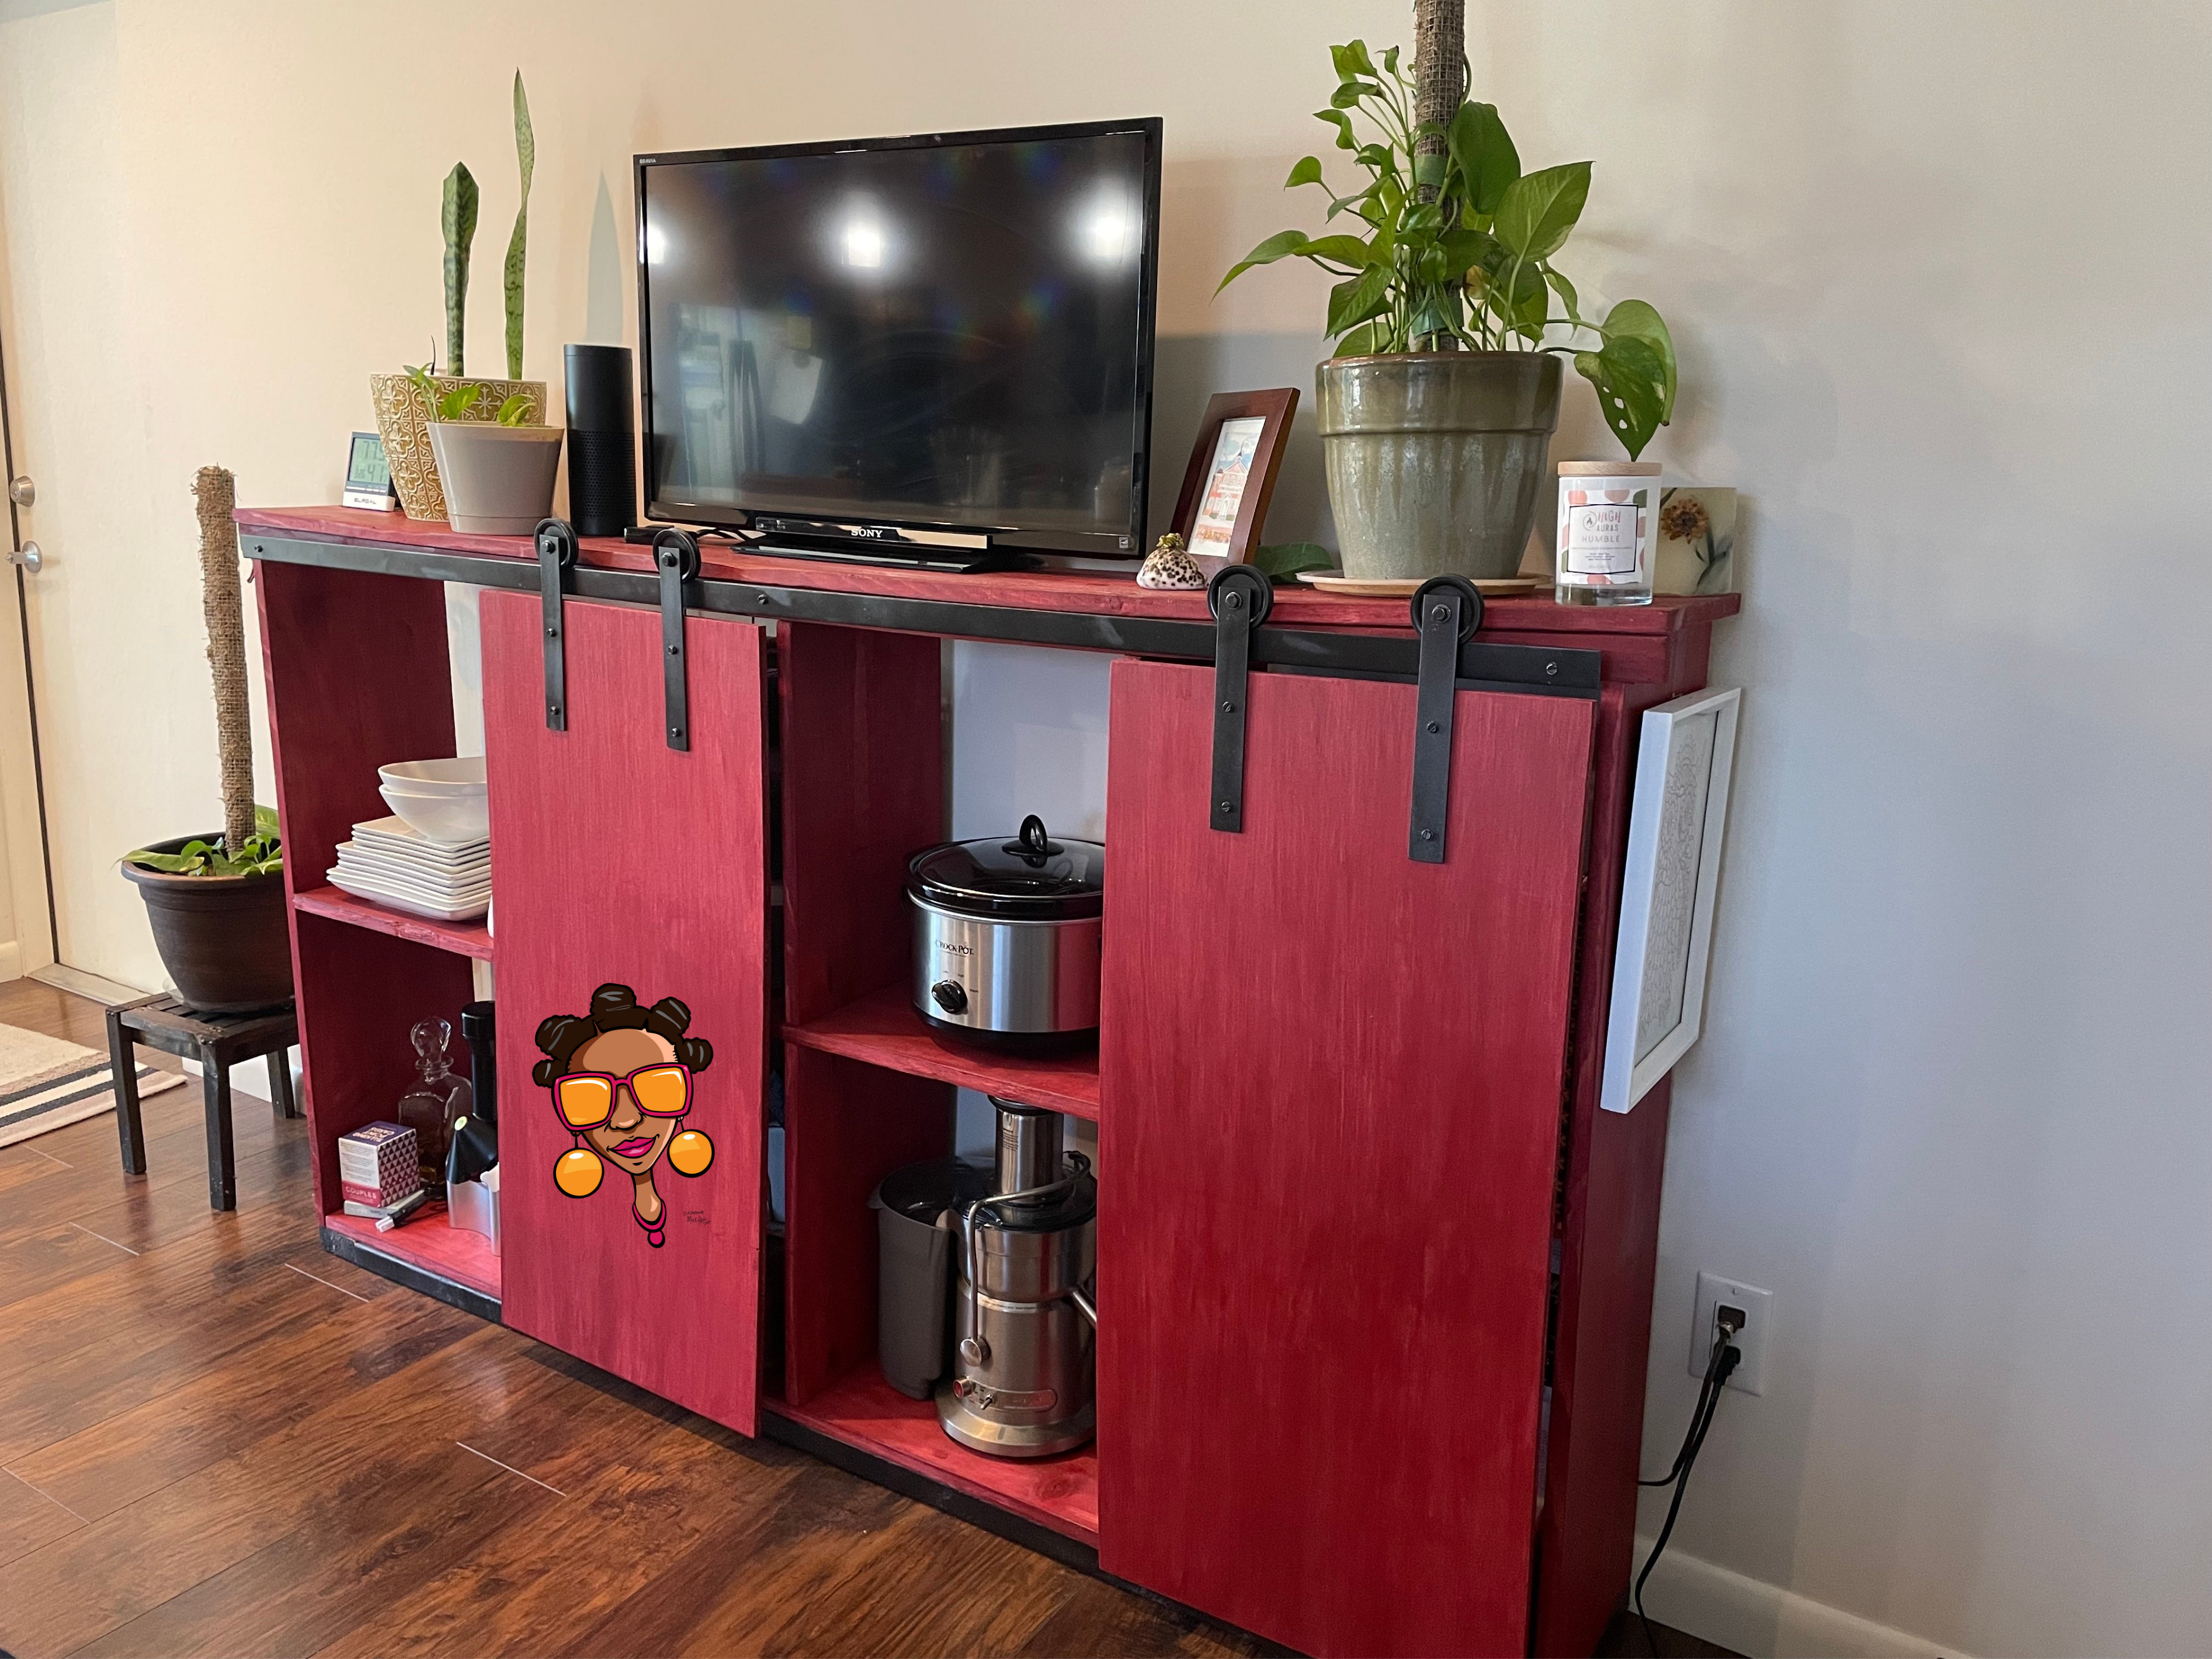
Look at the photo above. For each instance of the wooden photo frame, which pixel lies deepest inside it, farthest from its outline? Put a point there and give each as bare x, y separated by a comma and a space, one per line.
1668, 882
1232, 475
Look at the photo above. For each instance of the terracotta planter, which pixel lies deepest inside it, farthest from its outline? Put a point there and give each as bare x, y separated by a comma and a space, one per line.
1436, 459
222, 938
403, 421
498, 479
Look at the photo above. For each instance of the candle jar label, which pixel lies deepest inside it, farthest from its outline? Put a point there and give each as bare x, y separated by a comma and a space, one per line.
1607, 523
1601, 539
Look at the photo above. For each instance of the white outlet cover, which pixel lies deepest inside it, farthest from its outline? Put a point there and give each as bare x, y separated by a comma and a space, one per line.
1757, 1305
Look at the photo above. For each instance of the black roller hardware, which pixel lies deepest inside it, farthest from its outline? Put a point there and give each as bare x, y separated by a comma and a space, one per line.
556, 555
1446, 610
676, 558
1240, 598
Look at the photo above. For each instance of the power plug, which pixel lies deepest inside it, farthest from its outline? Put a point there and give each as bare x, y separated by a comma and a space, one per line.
1745, 1312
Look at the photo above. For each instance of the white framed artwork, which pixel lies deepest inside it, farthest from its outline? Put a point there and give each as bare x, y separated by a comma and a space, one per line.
1675, 820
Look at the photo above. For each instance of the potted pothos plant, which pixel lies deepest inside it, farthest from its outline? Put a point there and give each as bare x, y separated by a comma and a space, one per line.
407, 402
1450, 318
497, 475
216, 901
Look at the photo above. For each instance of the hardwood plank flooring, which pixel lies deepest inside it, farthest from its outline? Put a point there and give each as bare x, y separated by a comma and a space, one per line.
216, 1440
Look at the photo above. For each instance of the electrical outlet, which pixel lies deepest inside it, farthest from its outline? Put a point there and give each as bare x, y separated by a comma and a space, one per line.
1757, 1305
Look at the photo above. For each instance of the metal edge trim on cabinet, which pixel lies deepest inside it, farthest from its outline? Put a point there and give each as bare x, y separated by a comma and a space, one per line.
452, 1294
1522, 668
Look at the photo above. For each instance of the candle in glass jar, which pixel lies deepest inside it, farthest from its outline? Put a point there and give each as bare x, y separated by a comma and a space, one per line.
1608, 523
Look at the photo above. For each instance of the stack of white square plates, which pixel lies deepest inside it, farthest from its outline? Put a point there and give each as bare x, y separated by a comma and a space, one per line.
389, 863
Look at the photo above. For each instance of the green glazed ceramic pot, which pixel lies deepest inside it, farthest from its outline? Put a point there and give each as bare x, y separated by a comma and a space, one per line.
1436, 459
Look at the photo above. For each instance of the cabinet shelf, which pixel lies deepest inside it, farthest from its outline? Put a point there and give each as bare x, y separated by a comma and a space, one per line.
864, 1410
449, 1262
883, 1029
466, 939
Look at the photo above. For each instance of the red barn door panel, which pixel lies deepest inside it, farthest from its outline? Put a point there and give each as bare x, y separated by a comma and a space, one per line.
616, 858
1331, 1081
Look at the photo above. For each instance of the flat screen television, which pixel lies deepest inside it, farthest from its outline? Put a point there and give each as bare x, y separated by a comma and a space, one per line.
902, 343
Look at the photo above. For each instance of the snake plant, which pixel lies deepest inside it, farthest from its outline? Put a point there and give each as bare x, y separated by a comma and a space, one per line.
525, 153
458, 220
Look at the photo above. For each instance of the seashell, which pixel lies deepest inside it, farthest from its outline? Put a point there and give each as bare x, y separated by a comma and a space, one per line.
1168, 565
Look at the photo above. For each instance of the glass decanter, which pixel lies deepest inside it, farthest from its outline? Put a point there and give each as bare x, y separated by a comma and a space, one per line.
438, 1097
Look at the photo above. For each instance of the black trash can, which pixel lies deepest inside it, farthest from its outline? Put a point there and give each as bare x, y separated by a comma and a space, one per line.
914, 1297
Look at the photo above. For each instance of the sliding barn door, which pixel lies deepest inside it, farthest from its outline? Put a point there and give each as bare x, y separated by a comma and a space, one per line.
617, 860
1332, 1082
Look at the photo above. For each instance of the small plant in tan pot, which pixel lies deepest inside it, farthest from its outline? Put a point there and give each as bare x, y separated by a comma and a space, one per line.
498, 475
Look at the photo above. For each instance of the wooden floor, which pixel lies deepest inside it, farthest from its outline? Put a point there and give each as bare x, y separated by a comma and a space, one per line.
215, 1439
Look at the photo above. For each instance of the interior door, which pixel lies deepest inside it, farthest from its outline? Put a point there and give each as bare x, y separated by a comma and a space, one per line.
70, 366
618, 861
27, 941
1332, 1080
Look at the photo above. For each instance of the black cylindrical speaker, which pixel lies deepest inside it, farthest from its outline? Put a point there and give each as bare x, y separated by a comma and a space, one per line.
602, 443
479, 1025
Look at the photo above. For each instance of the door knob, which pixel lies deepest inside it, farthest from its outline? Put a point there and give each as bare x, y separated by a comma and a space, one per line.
22, 490
28, 557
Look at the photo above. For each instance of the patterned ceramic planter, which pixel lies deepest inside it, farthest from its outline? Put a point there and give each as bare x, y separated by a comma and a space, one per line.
403, 421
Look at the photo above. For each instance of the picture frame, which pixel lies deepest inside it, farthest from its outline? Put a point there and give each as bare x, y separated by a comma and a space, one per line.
1677, 818
1231, 475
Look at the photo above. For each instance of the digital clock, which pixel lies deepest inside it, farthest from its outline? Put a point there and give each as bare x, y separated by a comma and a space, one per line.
369, 475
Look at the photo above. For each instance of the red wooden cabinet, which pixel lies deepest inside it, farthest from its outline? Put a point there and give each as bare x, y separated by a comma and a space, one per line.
1331, 1078
617, 858
1359, 1206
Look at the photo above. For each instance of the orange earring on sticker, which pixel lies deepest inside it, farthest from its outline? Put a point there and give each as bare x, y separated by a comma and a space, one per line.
690, 1153
579, 1170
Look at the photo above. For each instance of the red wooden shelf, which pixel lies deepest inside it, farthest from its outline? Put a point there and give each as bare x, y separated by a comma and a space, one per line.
863, 1410
883, 1029
466, 938
430, 1243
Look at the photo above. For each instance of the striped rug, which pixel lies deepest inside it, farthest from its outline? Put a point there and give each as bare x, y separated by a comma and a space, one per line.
46, 1082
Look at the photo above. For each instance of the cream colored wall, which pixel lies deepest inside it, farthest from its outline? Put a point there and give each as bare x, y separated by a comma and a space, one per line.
1936, 275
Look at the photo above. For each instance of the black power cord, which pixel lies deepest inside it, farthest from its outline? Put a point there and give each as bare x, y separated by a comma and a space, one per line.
1720, 1365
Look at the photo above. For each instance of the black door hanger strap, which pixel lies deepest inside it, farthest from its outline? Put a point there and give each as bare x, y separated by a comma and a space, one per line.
557, 557
1240, 598
1447, 610
676, 560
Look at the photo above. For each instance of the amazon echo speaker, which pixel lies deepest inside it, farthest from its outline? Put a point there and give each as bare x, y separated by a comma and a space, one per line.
602, 441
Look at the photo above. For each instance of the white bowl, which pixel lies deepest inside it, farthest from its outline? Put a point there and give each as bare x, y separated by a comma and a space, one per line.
446, 819
462, 776
438, 791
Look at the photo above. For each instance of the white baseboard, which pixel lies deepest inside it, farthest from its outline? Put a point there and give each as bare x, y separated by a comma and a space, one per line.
75, 980
1766, 1620
257, 1078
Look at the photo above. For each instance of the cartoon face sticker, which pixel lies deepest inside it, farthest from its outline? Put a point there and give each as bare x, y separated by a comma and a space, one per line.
623, 1078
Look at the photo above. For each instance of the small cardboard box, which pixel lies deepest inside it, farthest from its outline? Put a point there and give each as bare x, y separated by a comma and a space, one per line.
377, 1164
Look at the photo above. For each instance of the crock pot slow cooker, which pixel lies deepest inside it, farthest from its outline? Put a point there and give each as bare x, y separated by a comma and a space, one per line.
1007, 939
